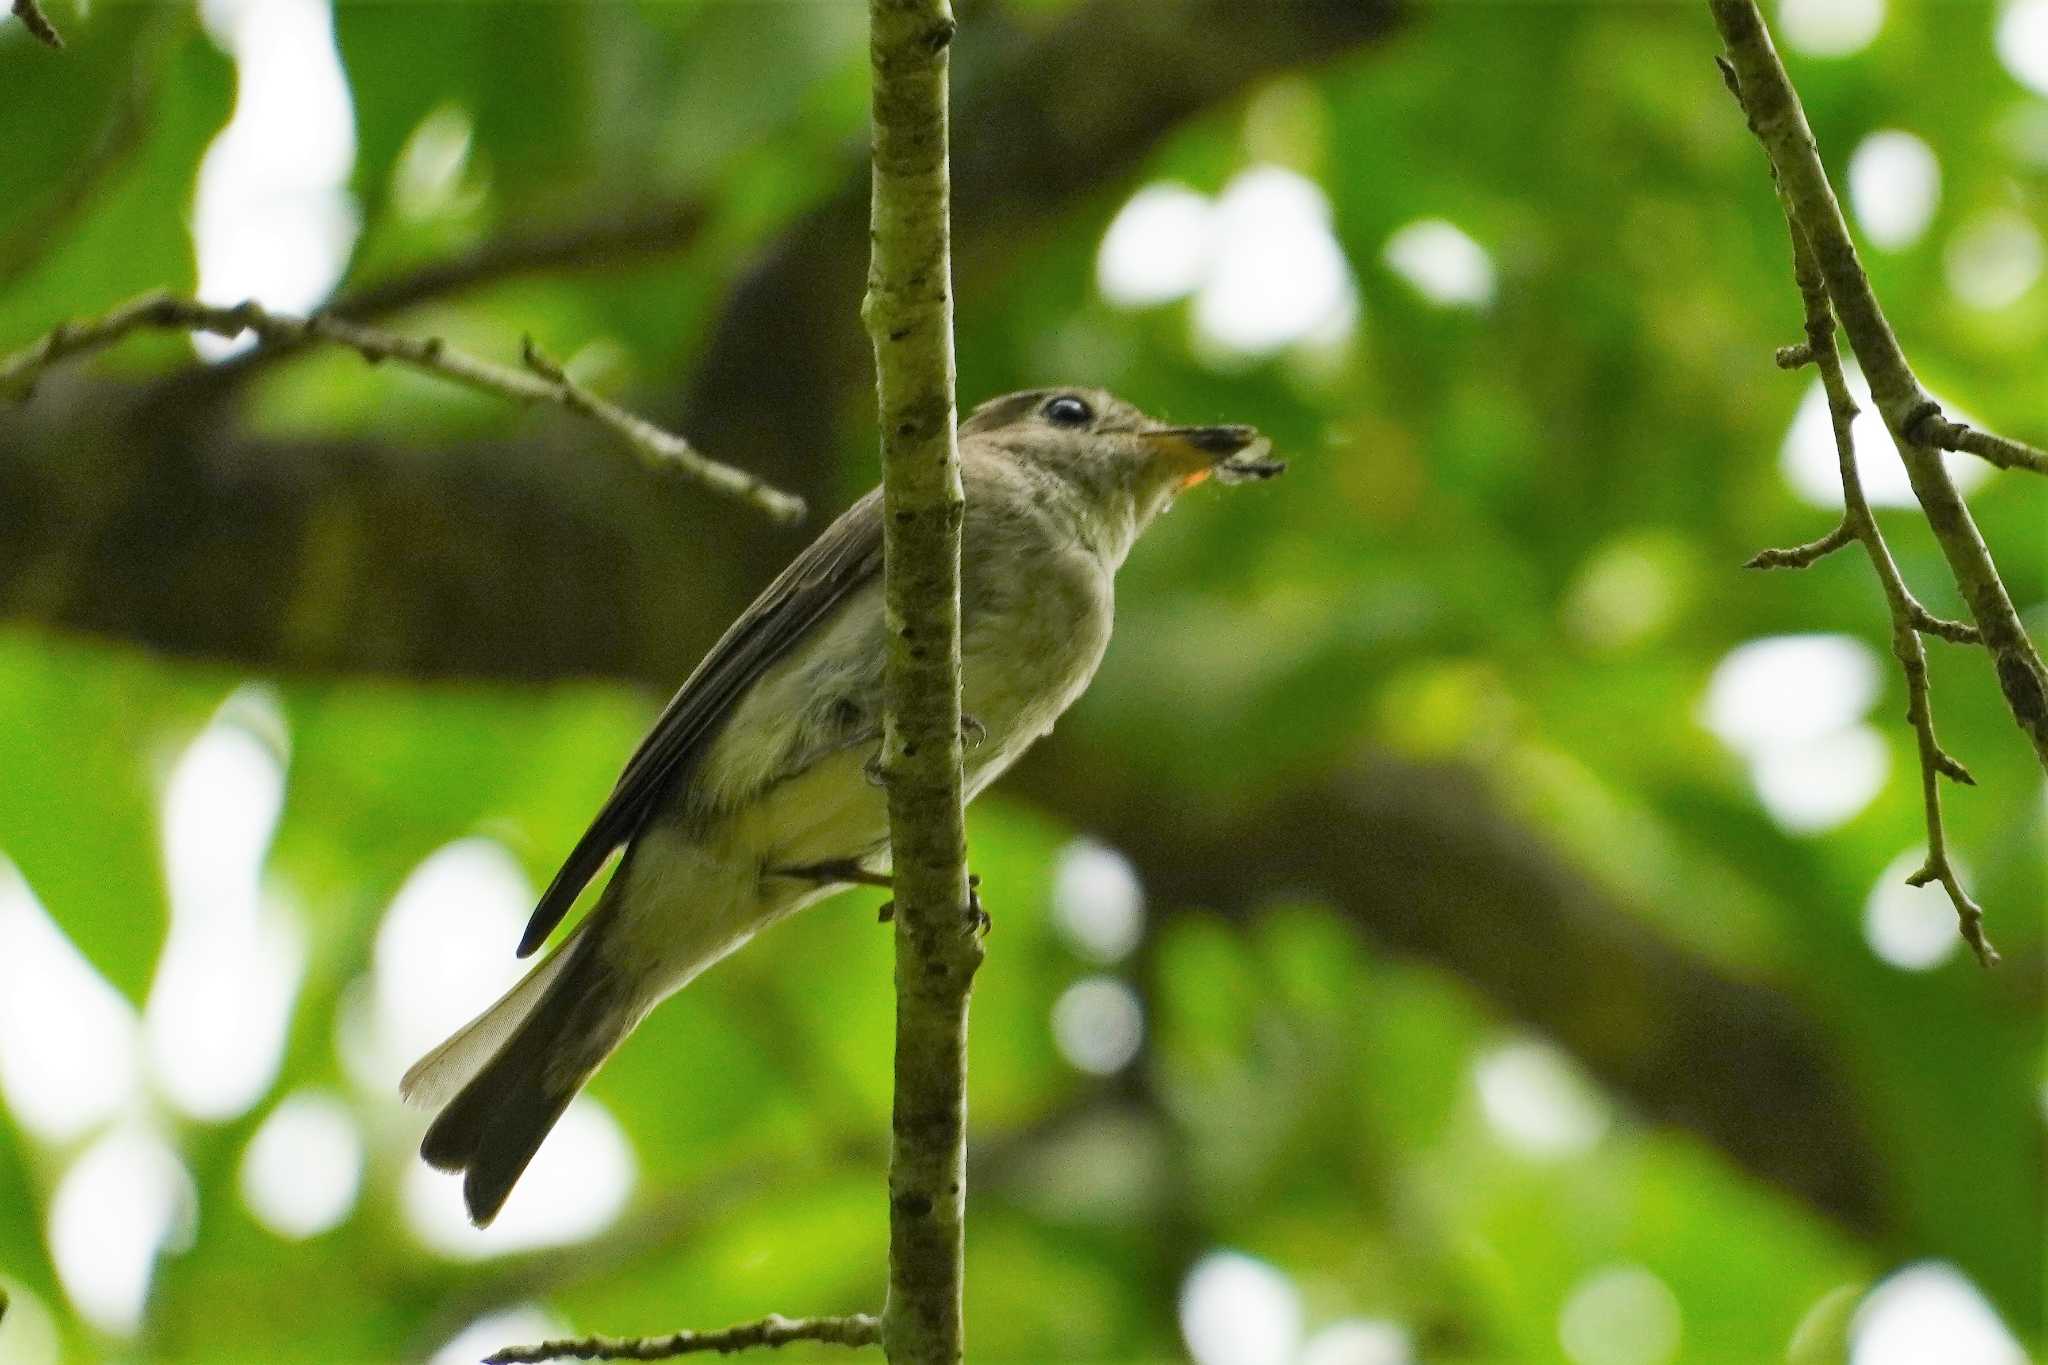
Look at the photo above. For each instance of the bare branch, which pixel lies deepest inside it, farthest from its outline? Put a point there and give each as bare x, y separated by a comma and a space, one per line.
20, 371
859, 1329
35, 21
2002, 451
909, 316
1803, 556
1909, 618
1775, 115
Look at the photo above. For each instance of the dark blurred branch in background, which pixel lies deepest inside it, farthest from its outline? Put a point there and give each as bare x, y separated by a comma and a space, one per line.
541, 382
1909, 618
36, 22
1779, 121
1424, 862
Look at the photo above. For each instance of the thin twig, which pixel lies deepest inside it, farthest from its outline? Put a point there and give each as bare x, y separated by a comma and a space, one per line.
909, 315
858, 1329
2003, 451
658, 448
1909, 618
35, 21
1803, 556
1775, 115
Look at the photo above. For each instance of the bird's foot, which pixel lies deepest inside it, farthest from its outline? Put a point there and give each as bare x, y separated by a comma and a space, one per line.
978, 920
972, 732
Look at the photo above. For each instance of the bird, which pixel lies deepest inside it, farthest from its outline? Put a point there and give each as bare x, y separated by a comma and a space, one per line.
758, 790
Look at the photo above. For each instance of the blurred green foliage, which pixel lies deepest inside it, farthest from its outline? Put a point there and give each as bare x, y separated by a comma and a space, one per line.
1506, 546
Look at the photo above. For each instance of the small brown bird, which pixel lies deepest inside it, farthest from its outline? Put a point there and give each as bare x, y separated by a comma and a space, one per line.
754, 794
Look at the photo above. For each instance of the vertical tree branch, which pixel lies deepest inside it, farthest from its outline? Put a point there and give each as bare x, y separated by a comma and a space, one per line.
1779, 121
909, 316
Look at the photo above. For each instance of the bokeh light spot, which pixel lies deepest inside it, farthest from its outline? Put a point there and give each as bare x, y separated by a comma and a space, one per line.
118, 1205
1929, 1311
1235, 1310
302, 1169
1444, 264
1157, 247
2022, 38
59, 1082
1099, 1024
1894, 185
1097, 904
273, 219
1993, 260
1829, 28
1622, 1315
1537, 1102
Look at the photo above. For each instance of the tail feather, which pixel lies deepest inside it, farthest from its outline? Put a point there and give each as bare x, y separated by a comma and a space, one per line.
554, 1036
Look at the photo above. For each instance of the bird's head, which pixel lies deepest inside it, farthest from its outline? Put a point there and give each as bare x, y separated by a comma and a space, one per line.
1126, 466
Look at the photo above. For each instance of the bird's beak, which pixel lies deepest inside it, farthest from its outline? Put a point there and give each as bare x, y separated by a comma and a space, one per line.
1192, 454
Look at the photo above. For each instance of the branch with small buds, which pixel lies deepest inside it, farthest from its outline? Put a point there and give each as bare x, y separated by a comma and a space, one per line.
1771, 106
858, 1329
542, 381
1910, 620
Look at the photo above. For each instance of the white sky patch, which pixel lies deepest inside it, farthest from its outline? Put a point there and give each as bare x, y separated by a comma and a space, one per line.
1929, 1311
221, 1000
1829, 28
1894, 186
122, 1202
1445, 266
302, 1170
1098, 1024
1993, 260
523, 1325
273, 219
1157, 247
1235, 1310
59, 1083
1622, 1315
1097, 902
1793, 707
1808, 460
2023, 42
1912, 928
1277, 276
1536, 1101
444, 951
575, 1188
1360, 1341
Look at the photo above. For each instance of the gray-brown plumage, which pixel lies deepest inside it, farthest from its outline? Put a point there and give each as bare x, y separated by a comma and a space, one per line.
755, 776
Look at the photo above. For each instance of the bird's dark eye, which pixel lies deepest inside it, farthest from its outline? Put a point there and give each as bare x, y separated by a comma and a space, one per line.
1068, 411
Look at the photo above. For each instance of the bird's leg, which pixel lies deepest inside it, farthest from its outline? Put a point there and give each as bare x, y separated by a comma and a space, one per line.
833, 872
972, 732
978, 920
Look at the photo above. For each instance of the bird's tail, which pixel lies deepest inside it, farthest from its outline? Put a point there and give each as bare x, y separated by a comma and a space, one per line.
505, 1078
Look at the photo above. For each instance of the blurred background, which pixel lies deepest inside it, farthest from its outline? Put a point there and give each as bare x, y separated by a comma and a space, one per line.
1464, 922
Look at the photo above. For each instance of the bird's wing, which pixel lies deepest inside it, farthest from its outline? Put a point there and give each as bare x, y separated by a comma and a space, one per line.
847, 555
